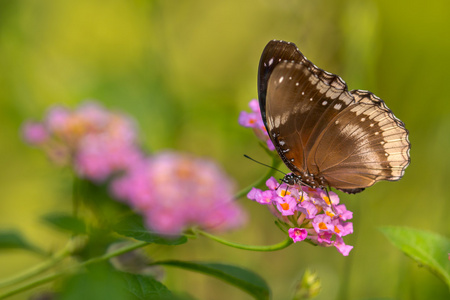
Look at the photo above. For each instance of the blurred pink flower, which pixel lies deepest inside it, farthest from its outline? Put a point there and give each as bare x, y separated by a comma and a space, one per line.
310, 213
297, 234
34, 133
254, 120
174, 191
95, 141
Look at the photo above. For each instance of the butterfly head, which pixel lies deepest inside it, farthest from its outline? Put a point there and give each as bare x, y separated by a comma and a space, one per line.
305, 179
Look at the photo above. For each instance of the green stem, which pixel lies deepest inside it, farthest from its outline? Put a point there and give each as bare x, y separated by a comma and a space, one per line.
36, 270
75, 196
74, 268
274, 247
275, 163
115, 253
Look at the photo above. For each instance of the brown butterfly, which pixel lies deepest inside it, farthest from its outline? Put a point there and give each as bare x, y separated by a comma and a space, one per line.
326, 135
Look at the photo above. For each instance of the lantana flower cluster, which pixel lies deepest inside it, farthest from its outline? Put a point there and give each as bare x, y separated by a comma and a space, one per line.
95, 141
170, 190
309, 213
253, 120
175, 191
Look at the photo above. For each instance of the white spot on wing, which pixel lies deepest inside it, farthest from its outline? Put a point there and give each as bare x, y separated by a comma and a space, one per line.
277, 121
281, 79
337, 106
313, 79
271, 61
285, 117
325, 102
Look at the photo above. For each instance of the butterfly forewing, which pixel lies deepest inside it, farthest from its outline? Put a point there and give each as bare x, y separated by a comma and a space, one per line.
274, 53
318, 127
297, 102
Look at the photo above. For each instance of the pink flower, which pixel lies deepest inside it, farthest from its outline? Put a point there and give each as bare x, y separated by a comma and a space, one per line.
262, 197
99, 156
322, 223
34, 133
254, 120
324, 238
342, 228
342, 247
343, 213
96, 142
297, 234
174, 191
313, 211
272, 183
308, 209
286, 205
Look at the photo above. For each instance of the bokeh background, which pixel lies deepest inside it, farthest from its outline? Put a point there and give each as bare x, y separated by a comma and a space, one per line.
184, 70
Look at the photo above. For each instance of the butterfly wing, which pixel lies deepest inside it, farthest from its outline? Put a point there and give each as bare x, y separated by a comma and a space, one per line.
298, 106
364, 144
317, 126
274, 53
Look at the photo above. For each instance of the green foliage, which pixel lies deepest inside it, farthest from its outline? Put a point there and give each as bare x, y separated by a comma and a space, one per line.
144, 287
100, 282
66, 222
14, 240
426, 248
241, 278
308, 287
132, 227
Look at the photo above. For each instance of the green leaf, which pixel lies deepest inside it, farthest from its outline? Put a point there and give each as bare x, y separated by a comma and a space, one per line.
99, 282
145, 287
66, 222
427, 248
14, 240
243, 279
134, 228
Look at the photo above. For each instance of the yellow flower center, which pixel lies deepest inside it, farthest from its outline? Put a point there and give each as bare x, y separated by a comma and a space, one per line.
284, 193
322, 225
329, 213
285, 206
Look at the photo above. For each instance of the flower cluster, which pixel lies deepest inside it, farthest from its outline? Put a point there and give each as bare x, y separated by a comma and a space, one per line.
96, 141
309, 213
254, 120
175, 191
171, 190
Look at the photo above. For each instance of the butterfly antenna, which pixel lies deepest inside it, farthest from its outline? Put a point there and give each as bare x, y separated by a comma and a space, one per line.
329, 199
246, 156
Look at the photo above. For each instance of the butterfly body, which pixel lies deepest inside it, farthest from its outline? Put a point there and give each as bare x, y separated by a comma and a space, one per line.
326, 135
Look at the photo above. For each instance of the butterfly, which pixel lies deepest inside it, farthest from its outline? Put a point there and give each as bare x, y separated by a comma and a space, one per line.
325, 134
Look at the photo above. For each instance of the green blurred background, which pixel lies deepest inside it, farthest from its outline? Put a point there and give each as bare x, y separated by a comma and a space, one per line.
184, 70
